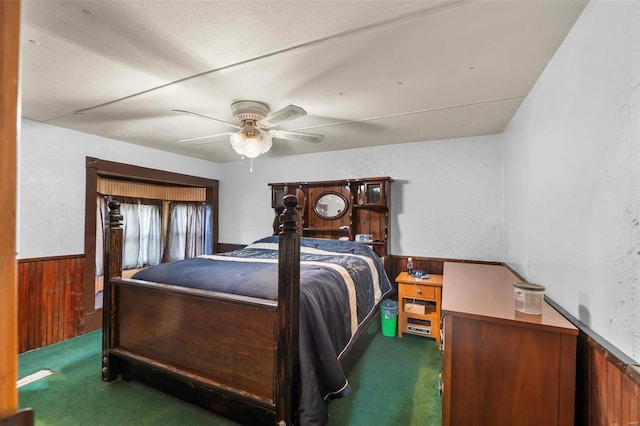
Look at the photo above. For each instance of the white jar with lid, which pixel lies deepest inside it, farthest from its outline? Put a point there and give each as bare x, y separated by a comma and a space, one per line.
528, 297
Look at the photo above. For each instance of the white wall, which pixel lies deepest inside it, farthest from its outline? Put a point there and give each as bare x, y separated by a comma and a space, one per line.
446, 195
51, 183
572, 175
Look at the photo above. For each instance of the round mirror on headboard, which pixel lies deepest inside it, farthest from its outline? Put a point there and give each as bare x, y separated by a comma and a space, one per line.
330, 205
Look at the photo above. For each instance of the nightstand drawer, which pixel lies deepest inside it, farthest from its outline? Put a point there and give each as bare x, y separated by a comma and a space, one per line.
418, 291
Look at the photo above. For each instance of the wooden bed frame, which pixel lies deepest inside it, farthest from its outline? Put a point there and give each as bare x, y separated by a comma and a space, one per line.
233, 355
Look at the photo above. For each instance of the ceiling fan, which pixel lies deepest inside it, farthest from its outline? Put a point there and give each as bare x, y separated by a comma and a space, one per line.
255, 125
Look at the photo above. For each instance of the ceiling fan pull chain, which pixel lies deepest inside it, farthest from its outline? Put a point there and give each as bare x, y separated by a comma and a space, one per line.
251, 168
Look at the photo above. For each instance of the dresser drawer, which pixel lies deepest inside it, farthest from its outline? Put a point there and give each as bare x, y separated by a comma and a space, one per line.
418, 291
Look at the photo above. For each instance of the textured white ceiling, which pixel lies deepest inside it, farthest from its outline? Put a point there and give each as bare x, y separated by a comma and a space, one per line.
367, 72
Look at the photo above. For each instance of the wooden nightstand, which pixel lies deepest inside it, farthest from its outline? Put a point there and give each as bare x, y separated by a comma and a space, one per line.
419, 305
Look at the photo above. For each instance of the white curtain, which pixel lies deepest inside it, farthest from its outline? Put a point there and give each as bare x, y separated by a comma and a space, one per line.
142, 235
101, 214
150, 235
186, 237
131, 235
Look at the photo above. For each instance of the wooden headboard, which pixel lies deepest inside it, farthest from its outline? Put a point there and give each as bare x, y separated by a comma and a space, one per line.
362, 211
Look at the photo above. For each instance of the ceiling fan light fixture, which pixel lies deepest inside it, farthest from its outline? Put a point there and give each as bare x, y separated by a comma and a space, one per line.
237, 142
251, 141
251, 147
265, 142
255, 124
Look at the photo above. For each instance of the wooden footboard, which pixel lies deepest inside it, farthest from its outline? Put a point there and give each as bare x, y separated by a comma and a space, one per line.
233, 355
213, 349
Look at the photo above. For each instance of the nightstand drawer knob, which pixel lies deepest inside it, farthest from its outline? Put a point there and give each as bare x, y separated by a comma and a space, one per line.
419, 291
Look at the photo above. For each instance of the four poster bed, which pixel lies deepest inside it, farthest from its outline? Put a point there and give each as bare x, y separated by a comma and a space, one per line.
261, 335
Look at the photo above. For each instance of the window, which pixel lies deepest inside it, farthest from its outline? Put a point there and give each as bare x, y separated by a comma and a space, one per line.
149, 184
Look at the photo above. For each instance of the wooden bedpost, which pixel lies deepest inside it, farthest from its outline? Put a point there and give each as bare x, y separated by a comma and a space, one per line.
112, 269
288, 313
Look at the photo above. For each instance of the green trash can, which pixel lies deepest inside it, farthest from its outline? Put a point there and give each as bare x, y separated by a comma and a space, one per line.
389, 313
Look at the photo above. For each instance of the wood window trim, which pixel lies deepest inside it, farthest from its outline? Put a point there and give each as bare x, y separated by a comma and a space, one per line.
95, 168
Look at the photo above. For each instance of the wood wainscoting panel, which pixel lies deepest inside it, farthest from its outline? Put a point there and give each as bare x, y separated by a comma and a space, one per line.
395, 264
608, 391
630, 410
607, 380
427, 264
50, 303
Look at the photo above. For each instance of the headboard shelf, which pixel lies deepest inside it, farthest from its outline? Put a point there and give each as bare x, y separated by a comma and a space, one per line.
336, 230
354, 208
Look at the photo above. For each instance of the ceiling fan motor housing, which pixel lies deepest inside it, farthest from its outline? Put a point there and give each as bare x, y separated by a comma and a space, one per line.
249, 110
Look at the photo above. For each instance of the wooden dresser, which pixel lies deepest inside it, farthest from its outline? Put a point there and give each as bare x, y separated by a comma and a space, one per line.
502, 367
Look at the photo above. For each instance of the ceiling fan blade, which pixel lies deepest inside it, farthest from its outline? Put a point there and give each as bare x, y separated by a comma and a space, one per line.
204, 137
195, 114
287, 113
296, 136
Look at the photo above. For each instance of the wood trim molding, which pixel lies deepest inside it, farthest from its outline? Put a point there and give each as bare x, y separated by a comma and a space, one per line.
634, 373
330, 182
48, 258
622, 361
24, 417
9, 56
144, 174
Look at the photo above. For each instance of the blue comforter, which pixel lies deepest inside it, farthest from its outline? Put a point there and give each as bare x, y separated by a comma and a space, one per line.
341, 282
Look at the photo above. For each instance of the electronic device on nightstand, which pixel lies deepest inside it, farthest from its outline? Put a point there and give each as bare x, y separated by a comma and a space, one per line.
419, 298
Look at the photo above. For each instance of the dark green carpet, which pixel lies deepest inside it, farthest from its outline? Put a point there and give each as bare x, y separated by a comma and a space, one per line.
394, 383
